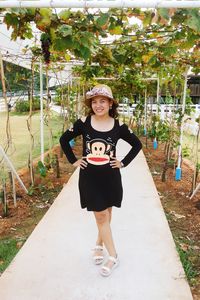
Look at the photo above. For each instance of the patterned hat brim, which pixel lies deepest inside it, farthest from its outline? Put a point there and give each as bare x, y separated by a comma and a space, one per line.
88, 98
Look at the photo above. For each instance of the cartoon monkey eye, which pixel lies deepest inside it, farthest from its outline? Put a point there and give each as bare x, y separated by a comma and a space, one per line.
100, 148
95, 148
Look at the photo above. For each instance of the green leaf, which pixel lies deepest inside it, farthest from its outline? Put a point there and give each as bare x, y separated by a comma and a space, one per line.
65, 30
31, 11
85, 52
28, 32
45, 12
84, 41
52, 34
42, 169
43, 23
90, 17
178, 18
153, 60
193, 22
148, 18
65, 14
67, 57
61, 44
179, 35
146, 57
11, 20
120, 69
164, 13
116, 30
43, 18
167, 50
187, 44
103, 19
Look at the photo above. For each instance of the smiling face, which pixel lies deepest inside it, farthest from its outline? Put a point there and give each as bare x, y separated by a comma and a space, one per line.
101, 105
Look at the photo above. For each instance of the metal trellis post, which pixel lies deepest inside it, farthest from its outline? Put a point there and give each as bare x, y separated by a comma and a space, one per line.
11, 167
178, 169
41, 114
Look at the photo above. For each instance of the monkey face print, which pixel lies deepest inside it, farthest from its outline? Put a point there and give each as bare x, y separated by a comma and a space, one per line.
100, 152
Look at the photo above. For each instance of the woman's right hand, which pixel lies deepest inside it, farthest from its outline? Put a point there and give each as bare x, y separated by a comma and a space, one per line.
81, 163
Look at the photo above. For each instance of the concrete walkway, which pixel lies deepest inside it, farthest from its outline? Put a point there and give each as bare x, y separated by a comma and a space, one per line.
55, 264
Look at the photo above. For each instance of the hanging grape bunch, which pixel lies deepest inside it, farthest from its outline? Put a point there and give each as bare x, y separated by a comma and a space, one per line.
46, 43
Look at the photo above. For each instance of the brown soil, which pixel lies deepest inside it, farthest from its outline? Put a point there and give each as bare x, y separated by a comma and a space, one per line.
23, 218
182, 213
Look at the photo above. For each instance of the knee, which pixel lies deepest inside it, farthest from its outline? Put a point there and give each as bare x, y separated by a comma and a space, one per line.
102, 217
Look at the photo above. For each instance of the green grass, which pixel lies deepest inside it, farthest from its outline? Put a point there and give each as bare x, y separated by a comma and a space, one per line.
188, 258
8, 249
19, 152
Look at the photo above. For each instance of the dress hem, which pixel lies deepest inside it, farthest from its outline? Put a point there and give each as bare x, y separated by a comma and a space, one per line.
88, 209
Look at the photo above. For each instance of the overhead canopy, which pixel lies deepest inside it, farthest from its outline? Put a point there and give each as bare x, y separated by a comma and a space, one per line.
14, 52
101, 3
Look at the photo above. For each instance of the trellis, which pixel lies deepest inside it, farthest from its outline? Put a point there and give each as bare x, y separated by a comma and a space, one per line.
102, 3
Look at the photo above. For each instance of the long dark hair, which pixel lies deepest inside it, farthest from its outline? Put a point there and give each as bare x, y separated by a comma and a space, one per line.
112, 112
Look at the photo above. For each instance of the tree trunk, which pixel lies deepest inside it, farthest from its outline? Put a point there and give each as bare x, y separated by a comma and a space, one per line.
163, 177
57, 167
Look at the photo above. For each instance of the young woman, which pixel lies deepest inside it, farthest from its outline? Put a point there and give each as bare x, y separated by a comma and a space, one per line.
100, 183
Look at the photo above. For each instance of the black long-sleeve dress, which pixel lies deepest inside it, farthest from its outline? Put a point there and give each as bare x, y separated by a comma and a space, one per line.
100, 185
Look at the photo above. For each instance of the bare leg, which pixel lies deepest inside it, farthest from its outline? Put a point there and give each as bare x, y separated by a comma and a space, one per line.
103, 219
99, 238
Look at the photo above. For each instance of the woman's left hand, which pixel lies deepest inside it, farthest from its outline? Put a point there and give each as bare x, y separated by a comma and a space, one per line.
115, 163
